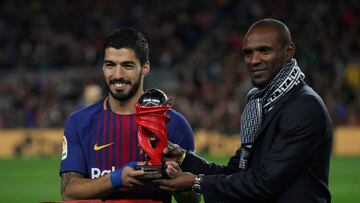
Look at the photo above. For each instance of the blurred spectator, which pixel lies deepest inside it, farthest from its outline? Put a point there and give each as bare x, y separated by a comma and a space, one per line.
92, 93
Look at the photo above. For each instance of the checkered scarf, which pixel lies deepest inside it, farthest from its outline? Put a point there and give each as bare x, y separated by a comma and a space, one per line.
259, 100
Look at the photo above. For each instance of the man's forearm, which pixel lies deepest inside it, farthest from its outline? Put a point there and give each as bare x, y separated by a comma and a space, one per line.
195, 164
75, 187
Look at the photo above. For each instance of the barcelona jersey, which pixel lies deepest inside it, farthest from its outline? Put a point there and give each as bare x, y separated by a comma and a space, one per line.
98, 141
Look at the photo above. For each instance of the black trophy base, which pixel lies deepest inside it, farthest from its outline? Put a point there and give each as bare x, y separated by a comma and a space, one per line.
152, 172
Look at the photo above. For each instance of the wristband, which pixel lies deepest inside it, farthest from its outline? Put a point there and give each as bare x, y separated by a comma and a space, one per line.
115, 177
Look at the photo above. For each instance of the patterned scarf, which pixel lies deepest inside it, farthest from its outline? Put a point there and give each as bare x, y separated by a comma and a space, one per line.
259, 100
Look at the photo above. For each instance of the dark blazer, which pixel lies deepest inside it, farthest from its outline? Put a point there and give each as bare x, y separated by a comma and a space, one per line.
289, 161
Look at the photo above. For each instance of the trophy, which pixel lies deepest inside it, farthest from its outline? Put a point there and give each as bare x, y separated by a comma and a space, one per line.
152, 132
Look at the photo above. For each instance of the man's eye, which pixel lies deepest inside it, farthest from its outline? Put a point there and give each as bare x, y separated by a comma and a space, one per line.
128, 67
265, 49
246, 52
109, 65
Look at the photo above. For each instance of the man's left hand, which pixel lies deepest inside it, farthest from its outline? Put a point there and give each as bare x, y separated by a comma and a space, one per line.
183, 181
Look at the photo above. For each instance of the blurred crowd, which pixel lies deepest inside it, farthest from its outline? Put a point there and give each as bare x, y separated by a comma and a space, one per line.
51, 51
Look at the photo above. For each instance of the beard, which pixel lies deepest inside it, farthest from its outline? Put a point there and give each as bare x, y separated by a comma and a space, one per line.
123, 96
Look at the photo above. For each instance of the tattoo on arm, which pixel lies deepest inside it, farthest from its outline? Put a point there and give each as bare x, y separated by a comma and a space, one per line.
66, 177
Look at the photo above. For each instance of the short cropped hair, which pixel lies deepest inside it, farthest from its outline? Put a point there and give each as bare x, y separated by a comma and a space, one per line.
283, 30
131, 39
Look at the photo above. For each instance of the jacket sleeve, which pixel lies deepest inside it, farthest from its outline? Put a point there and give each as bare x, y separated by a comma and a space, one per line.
301, 128
196, 165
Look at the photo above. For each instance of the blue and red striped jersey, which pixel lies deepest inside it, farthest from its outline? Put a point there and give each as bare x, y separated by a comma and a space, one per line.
98, 141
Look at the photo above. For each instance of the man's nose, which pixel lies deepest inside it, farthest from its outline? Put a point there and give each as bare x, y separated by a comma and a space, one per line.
119, 71
255, 58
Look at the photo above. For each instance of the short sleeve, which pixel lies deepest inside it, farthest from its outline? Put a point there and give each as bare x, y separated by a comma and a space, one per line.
180, 131
72, 156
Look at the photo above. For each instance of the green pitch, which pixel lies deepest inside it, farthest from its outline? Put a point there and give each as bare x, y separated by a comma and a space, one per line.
37, 179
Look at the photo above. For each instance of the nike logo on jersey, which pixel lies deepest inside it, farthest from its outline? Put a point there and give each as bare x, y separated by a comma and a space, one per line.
97, 148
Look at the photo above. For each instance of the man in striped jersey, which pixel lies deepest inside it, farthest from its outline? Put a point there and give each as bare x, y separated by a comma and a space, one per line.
100, 143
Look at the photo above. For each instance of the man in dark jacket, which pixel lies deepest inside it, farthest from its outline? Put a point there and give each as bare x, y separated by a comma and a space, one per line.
286, 133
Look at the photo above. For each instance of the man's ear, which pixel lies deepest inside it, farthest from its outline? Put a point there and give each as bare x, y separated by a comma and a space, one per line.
290, 50
146, 68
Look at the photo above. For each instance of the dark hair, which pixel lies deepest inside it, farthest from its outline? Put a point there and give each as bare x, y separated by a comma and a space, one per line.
283, 30
131, 39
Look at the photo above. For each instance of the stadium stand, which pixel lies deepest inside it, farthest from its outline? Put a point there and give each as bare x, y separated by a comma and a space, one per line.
51, 50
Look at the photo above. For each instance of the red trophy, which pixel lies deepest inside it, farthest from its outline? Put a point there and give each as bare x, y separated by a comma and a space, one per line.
152, 133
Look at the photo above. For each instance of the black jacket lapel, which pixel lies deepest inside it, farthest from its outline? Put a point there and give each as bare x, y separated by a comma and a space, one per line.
278, 106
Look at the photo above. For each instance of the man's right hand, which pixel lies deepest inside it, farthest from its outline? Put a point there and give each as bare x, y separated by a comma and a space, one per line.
173, 152
128, 177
